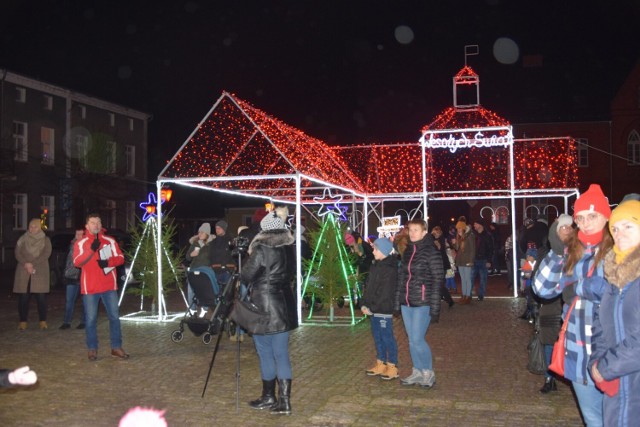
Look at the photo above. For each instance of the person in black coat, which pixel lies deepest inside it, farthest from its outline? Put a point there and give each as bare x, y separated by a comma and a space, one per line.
269, 272
441, 245
418, 297
377, 302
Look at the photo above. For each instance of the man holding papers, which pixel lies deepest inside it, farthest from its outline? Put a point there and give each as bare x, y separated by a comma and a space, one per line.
97, 255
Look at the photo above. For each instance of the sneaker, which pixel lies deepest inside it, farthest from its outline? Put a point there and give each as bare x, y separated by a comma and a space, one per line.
43, 325
414, 378
391, 372
378, 369
64, 326
119, 353
428, 378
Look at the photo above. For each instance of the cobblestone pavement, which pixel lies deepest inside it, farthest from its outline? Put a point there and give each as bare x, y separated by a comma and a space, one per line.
479, 360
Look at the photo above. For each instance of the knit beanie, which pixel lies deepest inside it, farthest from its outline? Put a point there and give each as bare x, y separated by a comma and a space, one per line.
205, 228
271, 222
461, 224
384, 245
563, 220
222, 224
629, 210
532, 252
593, 200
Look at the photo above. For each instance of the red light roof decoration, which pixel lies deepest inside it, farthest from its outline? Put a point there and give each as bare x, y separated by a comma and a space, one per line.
457, 118
237, 139
466, 71
386, 169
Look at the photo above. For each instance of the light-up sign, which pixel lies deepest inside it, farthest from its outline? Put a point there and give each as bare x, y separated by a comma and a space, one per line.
479, 139
390, 226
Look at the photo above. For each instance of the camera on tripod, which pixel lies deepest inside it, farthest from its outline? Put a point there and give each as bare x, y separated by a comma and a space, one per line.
239, 246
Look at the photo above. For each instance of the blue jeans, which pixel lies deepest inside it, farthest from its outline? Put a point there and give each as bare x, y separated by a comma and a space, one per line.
480, 268
110, 302
73, 289
590, 401
465, 279
416, 322
386, 346
273, 351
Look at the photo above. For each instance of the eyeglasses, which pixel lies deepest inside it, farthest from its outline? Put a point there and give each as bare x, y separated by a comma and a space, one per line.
580, 219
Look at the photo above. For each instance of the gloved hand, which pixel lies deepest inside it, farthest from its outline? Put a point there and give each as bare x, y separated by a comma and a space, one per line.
556, 244
96, 244
568, 293
103, 263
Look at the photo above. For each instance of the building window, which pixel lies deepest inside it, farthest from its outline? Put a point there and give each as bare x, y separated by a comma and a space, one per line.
582, 146
112, 119
109, 218
21, 95
131, 124
47, 214
48, 102
20, 141
633, 148
130, 213
111, 157
130, 154
20, 212
47, 136
82, 150
83, 111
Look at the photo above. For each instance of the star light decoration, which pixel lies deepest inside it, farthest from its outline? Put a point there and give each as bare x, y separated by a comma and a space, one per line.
149, 207
330, 205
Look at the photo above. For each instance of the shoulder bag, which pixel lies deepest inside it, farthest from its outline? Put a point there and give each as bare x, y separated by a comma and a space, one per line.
557, 357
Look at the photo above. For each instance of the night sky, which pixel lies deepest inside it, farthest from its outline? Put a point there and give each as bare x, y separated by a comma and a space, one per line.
343, 71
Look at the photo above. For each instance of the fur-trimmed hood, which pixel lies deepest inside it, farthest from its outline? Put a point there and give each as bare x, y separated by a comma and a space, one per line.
194, 239
273, 238
621, 275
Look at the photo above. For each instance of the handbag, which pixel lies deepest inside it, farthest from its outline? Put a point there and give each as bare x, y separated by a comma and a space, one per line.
537, 363
557, 357
249, 316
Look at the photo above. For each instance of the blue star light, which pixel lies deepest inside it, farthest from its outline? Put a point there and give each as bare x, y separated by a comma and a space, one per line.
326, 207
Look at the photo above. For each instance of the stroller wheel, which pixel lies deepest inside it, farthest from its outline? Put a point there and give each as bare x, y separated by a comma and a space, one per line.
176, 336
206, 338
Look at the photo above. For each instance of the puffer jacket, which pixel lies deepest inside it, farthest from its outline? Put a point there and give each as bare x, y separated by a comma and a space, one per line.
550, 281
616, 333
203, 257
380, 291
268, 271
420, 277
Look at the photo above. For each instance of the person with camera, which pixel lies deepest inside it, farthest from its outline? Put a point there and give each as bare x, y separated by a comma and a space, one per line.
268, 271
220, 257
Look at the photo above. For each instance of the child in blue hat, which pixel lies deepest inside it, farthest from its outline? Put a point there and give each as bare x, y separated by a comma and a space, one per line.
377, 302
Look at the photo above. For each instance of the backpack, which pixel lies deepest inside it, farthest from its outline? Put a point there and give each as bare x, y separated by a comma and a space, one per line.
71, 272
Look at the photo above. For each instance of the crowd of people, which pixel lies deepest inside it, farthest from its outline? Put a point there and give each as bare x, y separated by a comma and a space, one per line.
583, 271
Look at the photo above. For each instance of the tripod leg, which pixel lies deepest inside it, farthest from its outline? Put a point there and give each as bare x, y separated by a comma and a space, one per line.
213, 358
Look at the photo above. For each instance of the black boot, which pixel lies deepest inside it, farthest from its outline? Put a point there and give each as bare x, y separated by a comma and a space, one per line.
283, 407
549, 385
268, 398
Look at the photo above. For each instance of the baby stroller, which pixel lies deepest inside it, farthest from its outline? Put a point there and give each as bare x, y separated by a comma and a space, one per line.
207, 314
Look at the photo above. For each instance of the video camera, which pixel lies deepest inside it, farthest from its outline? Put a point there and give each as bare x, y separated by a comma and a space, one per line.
239, 246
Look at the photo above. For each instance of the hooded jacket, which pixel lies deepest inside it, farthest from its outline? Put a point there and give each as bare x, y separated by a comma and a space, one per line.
420, 277
616, 333
93, 280
269, 271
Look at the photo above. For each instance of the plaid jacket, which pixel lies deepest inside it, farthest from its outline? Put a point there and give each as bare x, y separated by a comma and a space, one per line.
549, 282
